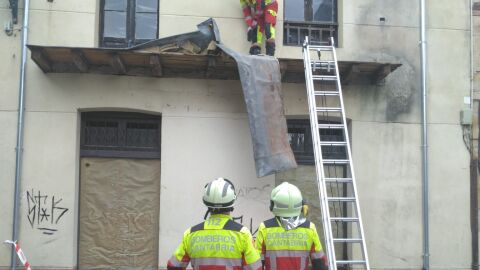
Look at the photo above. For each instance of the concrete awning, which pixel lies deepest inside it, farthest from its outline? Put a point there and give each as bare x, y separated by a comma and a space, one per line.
149, 63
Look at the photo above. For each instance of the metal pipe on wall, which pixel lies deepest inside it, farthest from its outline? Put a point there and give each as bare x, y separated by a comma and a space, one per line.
20, 127
423, 53
472, 71
473, 154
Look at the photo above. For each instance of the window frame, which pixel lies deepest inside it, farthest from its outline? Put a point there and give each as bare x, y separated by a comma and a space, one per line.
129, 40
322, 26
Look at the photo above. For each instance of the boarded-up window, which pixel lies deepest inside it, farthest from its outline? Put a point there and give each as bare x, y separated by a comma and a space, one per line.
119, 213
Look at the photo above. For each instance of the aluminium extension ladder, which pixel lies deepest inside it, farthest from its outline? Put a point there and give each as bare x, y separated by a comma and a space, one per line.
341, 218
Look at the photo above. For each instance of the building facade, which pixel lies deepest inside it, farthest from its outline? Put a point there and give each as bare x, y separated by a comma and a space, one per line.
105, 141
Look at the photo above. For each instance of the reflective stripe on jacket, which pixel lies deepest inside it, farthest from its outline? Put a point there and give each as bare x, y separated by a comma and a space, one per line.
217, 242
288, 250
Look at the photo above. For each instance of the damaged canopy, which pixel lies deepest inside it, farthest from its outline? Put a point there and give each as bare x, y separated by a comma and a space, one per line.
261, 83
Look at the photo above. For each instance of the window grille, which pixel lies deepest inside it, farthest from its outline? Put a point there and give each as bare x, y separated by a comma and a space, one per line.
294, 33
300, 139
113, 134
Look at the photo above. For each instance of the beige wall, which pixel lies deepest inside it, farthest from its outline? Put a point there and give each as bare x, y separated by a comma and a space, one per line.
205, 130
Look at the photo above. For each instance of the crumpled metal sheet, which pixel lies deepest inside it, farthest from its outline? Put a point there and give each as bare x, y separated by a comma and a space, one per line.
262, 89
261, 83
207, 32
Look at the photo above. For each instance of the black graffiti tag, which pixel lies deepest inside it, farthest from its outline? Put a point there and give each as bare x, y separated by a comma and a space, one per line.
44, 211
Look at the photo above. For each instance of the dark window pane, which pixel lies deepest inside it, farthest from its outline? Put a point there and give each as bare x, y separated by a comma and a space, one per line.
145, 25
297, 141
323, 11
293, 37
147, 6
118, 5
310, 10
294, 10
115, 24
303, 34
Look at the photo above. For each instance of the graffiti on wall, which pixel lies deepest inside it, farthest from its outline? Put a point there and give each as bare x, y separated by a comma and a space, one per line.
44, 211
253, 231
255, 193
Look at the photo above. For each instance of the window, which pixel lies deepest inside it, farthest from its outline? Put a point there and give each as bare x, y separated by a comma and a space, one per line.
300, 137
116, 134
316, 19
125, 23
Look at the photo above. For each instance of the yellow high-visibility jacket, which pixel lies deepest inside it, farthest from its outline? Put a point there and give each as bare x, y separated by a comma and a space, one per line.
217, 243
289, 250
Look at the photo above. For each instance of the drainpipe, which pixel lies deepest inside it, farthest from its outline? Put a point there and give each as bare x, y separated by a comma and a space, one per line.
473, 155
20, 124
423, 49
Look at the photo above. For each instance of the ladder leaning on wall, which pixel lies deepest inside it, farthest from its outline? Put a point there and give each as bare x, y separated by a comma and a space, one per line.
341, 218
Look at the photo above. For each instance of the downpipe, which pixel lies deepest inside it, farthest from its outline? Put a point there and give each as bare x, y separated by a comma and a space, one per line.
20, 127
425, 189
473, 155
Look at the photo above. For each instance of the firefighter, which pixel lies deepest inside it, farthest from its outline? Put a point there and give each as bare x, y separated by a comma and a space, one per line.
218, 242
261, 17
288, 241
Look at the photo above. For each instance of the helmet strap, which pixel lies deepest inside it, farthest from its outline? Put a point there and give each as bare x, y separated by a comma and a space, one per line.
206, 214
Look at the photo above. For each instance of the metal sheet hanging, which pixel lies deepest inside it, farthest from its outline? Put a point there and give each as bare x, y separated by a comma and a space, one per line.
262, 89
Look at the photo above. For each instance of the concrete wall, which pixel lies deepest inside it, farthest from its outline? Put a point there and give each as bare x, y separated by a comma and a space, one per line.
205, 129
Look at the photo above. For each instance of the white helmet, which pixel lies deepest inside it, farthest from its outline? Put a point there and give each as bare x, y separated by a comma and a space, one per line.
286, 200
220, 193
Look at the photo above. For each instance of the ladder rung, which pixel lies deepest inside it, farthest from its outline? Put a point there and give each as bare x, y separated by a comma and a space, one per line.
331, 126
347, 240
323, 64
336, 161
338, 180
341, 199
342, 262
324, 77
323, 67
345, 219
326, 109
321, 48
334, 143
327, 93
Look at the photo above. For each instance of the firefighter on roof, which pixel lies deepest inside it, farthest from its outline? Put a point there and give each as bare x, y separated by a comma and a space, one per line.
261, 17
218, 243
288, 241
